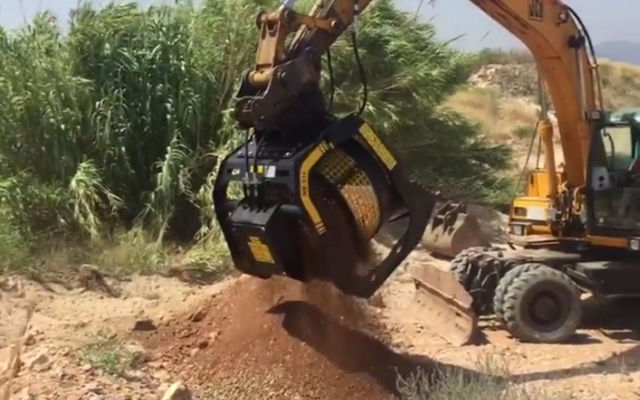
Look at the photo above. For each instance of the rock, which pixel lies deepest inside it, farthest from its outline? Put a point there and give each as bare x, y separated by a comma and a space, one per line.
61, 373
202, 344
64, 352
377, 301
213, 336
134, 376
92, 388
177, 391
86, 367
198, 315
39, 362
161, 376
144, 325
9, 284
30, 340
157, 364
138, 353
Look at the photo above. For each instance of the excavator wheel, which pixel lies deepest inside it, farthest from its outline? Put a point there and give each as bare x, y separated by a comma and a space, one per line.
478, 272
542, 305
505, 283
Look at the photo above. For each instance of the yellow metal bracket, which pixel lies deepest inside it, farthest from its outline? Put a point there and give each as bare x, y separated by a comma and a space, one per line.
305, 169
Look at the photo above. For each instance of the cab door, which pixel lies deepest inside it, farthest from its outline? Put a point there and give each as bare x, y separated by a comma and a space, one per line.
613, 192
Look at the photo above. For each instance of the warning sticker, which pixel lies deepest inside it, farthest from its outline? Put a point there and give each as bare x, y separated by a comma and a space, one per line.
260, 251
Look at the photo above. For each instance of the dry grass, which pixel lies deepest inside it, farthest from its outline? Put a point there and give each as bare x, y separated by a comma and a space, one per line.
491, 383
621, 84
503, 116
499, 117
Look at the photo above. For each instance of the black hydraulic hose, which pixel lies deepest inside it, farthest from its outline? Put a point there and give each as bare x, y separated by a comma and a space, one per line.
363, 75
332, 81
246, 162
592, 51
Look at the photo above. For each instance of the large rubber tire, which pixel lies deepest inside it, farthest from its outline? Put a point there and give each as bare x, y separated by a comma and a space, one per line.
542, 305
505, 282
478, 273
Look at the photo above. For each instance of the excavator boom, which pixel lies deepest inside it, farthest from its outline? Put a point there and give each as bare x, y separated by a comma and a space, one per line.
317, 188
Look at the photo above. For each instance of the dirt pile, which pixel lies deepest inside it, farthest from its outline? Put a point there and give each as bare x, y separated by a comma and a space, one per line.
280, 339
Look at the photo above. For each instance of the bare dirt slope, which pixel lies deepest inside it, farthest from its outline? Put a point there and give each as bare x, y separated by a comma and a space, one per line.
249, 339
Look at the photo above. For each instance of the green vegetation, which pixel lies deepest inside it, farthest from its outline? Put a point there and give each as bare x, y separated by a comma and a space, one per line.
111, 356
111, 132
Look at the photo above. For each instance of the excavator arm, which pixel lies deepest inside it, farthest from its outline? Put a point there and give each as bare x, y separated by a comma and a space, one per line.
315, 188
558, 41
285, 74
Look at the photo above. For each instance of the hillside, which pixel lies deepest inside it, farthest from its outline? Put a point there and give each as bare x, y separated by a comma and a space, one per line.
502, 98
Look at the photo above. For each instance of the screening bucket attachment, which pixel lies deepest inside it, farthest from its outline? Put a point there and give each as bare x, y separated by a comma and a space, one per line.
310, 204
448, 306
451, 230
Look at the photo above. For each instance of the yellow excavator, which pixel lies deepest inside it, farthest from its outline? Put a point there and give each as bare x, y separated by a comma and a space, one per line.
316, 189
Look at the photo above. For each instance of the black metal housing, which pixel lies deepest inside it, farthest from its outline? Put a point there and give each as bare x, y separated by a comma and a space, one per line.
274, 230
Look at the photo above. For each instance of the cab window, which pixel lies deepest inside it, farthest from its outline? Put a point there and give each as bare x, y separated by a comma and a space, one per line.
620, 148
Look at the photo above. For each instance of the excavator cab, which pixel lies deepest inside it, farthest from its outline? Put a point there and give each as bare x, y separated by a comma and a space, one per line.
615, 176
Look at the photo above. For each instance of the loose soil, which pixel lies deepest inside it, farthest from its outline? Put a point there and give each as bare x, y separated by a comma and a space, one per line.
246, 338
290, 340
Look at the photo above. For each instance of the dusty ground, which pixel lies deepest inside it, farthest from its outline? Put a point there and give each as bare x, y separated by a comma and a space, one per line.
250, 339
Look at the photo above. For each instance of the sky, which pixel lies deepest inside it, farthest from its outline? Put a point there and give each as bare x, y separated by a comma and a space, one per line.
606, 20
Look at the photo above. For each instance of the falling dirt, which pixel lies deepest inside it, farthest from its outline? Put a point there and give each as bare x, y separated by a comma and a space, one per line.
300, 342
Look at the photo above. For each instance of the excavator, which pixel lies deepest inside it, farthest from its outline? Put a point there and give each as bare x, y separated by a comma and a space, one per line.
307, 192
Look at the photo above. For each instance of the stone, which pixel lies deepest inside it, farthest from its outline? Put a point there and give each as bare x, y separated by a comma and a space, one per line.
161, 375
177, 391
86, 367
39, 362
144, 325
92, 388
377, 301
213, 336
198, 315
138, 353
30, 340
134, 376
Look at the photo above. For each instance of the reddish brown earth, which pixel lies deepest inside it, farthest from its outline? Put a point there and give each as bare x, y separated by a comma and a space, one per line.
291, 341
250, 339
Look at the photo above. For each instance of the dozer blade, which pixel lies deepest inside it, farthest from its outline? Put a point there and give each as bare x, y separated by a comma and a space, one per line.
448, 304
451, 230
